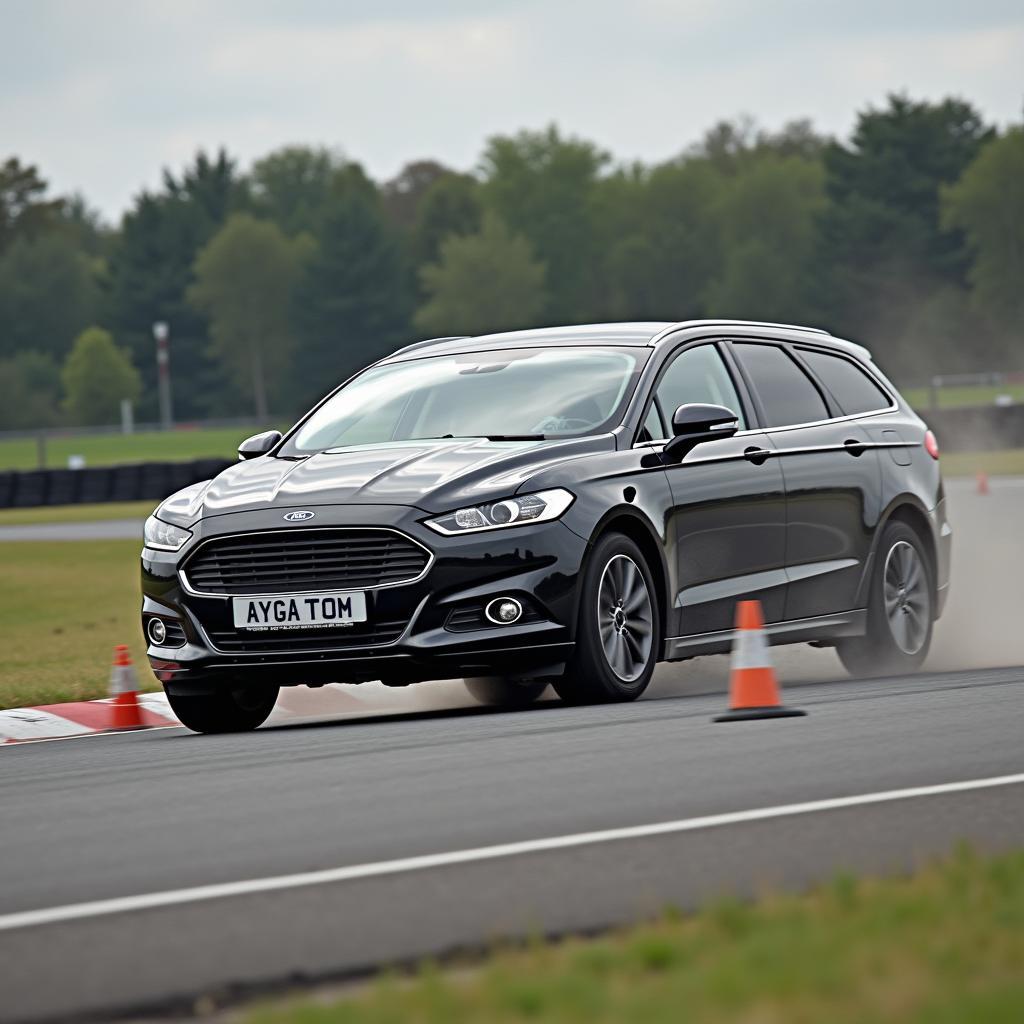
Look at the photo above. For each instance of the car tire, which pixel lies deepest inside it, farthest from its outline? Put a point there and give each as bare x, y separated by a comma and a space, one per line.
901, 609
618, 630
233, 709
504, 692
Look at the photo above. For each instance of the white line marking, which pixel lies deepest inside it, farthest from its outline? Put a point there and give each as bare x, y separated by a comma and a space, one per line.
96, 734
199, 893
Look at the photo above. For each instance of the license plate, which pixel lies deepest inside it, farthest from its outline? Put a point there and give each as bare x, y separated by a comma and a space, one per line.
300, 611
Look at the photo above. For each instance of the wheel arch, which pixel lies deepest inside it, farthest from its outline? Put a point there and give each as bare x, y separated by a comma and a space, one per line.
909, 512
632, 524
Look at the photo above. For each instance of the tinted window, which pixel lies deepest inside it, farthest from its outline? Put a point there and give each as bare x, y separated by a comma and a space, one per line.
698, 375
787, 394
853, 390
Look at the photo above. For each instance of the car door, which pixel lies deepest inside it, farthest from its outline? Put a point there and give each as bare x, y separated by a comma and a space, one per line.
726, 524
831, 474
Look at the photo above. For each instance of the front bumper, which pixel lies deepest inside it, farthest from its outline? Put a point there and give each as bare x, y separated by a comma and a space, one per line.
538, 564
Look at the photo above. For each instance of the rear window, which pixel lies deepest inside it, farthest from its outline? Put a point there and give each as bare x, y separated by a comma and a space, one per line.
787, 394
852, 388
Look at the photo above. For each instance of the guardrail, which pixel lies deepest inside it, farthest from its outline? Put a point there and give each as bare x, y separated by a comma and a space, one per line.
142, 481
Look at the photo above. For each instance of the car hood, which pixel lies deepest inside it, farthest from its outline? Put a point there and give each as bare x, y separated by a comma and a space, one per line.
435, 476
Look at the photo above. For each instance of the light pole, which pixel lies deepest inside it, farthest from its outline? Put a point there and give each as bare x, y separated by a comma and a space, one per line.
162, 335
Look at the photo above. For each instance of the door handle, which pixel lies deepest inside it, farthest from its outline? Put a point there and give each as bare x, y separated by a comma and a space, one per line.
854, 447
757, 456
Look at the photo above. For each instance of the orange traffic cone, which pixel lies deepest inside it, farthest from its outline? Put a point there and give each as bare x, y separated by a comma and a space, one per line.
753, 689
982, 479
125, 712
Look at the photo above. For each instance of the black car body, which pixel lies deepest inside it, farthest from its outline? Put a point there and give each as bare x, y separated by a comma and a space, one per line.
824, 474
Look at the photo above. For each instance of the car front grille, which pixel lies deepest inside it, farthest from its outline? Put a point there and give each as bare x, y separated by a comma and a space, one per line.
240, 641
300, 560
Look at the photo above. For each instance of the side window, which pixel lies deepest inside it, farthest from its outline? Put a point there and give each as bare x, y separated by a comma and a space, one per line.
653, 430
698, 375
787, 394
853, 390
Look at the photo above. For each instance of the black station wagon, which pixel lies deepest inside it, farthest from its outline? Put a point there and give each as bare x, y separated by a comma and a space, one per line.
565, 506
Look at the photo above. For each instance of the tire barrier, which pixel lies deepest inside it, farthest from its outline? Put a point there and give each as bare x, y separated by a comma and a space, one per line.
977, 428
143, 481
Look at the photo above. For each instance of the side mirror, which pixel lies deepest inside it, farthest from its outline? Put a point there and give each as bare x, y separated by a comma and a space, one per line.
258, 444
694, 424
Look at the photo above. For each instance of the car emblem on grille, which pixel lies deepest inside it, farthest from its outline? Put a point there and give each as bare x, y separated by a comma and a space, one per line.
298, 517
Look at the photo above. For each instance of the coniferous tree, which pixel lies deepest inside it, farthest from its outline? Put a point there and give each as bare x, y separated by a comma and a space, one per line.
352, 303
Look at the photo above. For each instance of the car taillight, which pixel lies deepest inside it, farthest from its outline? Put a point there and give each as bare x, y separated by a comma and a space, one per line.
931, 446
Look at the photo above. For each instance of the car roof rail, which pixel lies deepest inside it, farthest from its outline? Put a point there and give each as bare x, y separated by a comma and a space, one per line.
426, 343
816, 332
682, 324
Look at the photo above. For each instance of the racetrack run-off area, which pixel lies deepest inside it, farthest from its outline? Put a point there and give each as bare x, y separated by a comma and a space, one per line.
693, 810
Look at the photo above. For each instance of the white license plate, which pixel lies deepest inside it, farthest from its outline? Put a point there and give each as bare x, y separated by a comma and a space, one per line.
298, 611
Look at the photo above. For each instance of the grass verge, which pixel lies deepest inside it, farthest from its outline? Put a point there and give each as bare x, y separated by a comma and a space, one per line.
109, 449
1009, 462
957, 397
63, 607
945, 945
76, 513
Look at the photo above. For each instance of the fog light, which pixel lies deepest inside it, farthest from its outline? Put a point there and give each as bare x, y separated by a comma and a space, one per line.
504, 611
157, 631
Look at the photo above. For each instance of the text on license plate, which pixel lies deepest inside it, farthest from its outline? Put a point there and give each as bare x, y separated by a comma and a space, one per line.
293, 612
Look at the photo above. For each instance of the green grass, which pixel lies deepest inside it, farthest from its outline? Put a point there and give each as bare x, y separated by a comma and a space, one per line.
955, 397
110, 449
941, 947
76, 513
63, 607
1009, 462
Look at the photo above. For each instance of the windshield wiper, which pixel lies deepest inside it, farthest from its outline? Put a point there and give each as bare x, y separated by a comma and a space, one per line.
486, 437
516, 437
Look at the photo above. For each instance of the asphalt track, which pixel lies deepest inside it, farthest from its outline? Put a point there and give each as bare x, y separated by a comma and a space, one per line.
130, 814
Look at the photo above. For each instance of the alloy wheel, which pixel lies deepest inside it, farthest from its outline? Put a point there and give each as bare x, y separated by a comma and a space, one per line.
625, 618
907, 601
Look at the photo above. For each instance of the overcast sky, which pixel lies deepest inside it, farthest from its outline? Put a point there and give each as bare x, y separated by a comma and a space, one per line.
102, 94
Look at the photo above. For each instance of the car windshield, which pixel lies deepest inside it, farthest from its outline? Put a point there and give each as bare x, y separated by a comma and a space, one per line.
555, 392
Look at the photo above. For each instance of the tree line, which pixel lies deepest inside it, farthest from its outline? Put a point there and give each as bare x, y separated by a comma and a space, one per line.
279, 280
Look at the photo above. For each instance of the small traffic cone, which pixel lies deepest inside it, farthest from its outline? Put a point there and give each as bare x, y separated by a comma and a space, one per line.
982, 479
753, 689
125, 712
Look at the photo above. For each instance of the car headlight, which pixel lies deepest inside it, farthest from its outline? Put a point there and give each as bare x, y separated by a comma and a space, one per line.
163, 536
498, 515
